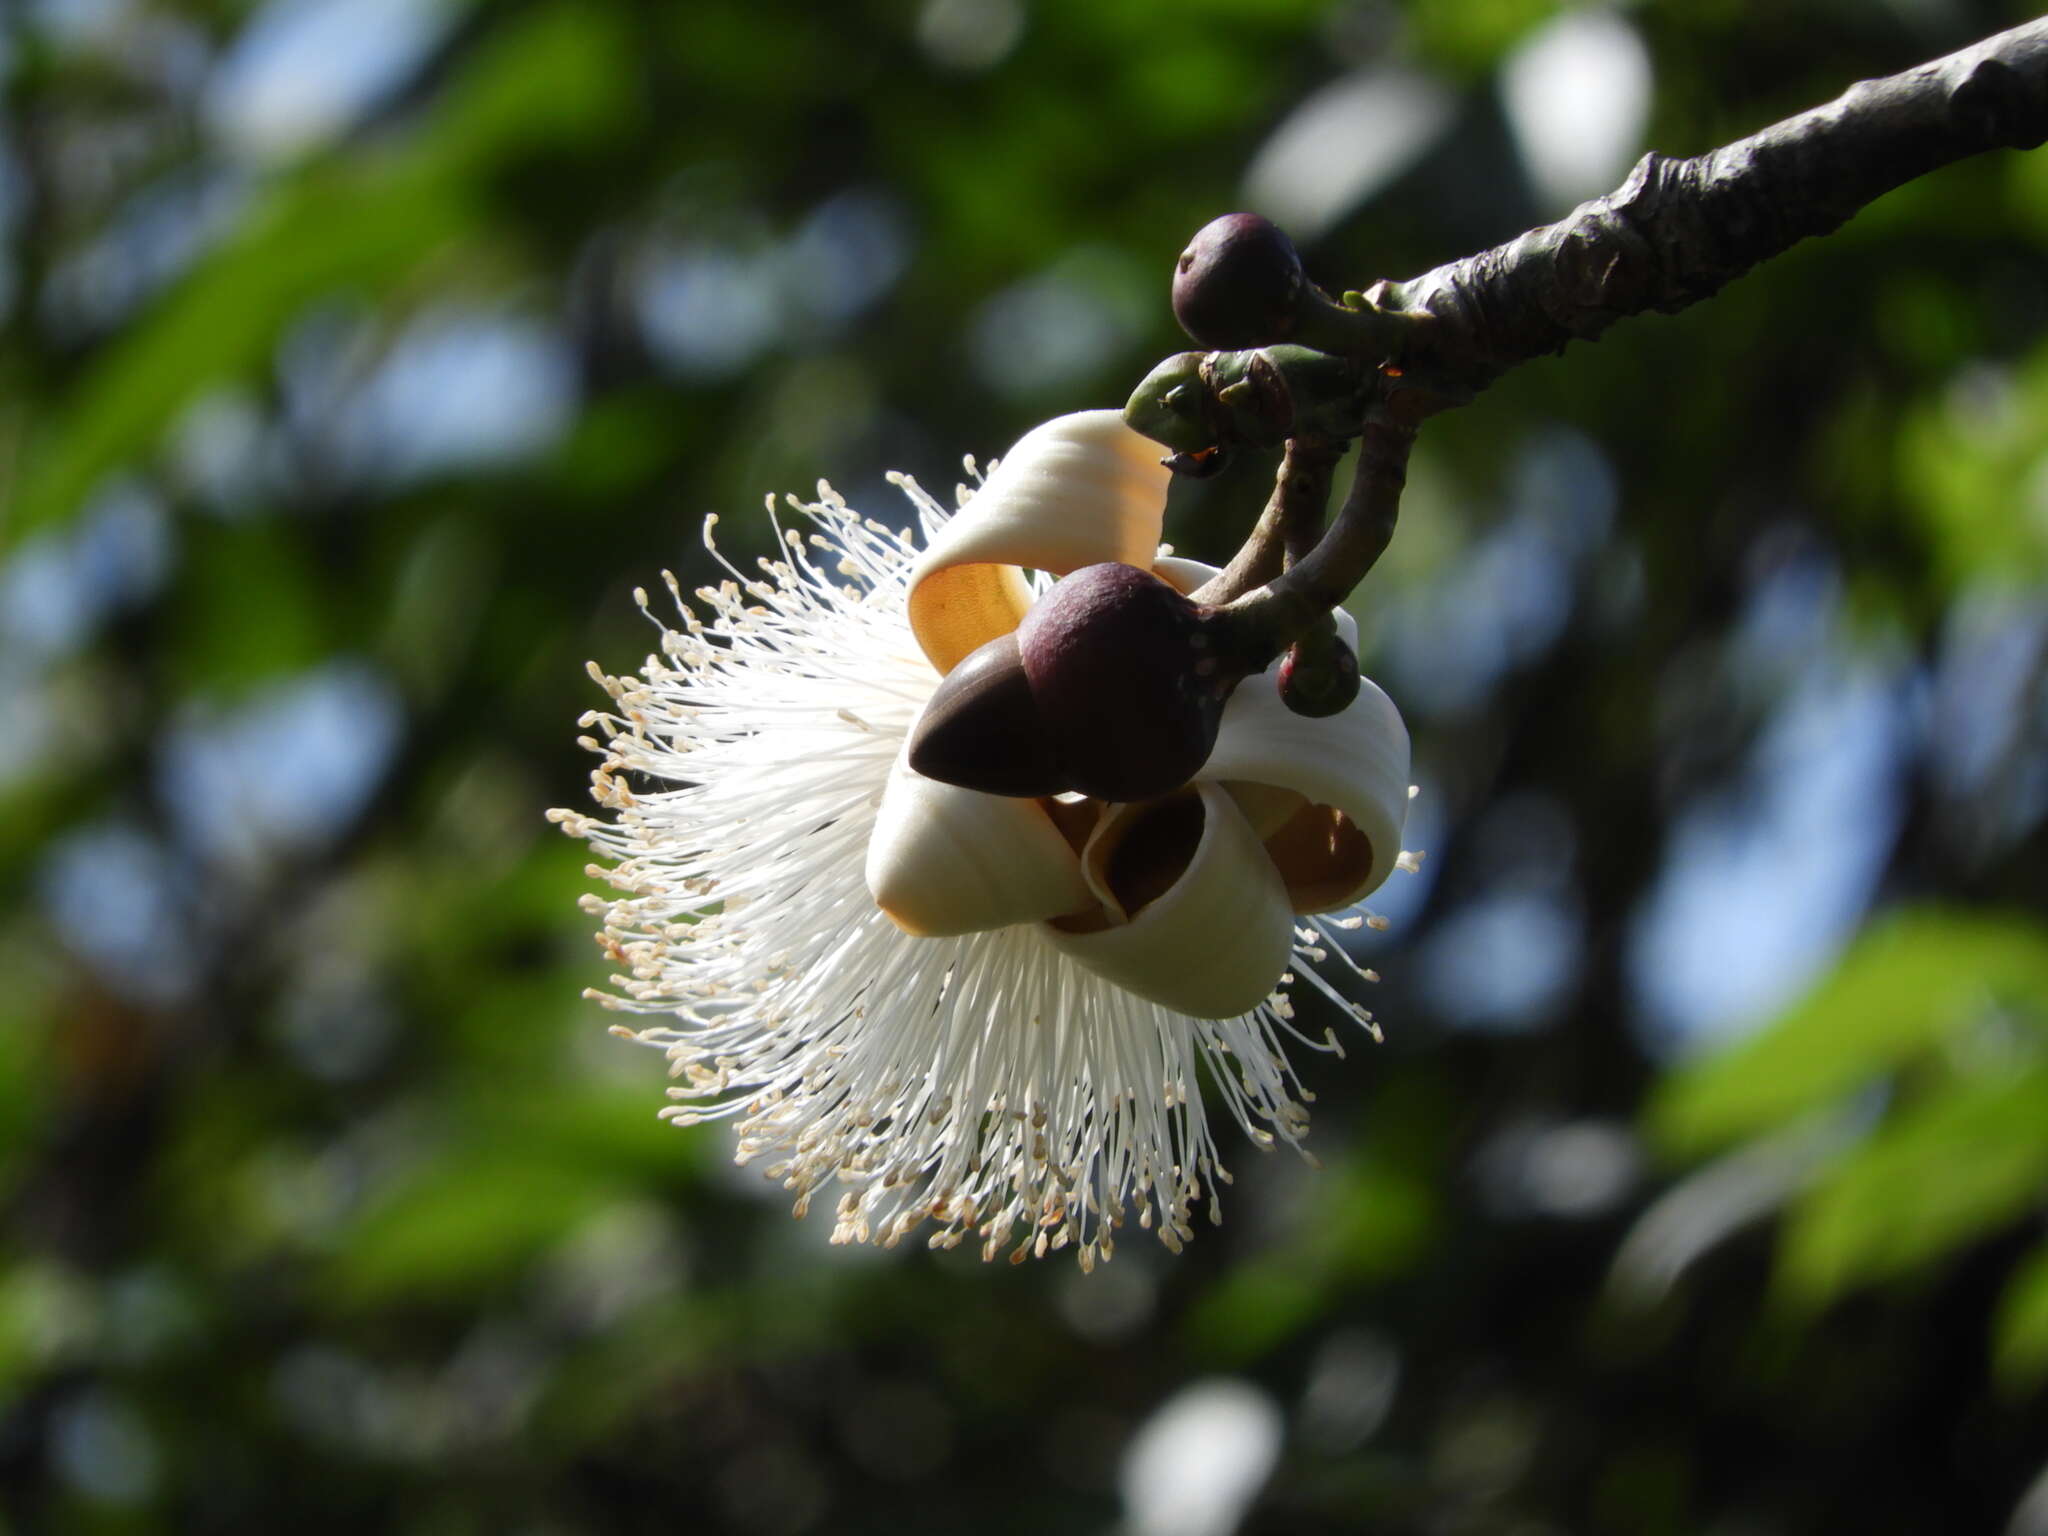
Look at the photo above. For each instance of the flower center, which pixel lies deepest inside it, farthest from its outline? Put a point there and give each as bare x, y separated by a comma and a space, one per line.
1133, 855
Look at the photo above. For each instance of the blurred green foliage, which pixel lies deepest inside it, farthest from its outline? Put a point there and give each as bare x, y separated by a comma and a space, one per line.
353, 379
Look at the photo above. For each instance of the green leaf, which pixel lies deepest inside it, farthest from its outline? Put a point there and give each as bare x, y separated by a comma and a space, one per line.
1966, 459
329, 230
1473, 35
1958, 1165
435, 604
27, 1035
462, 1223
252, 606
1904, 986
1370, 1222
338, 225
2022, 1331
47, 1317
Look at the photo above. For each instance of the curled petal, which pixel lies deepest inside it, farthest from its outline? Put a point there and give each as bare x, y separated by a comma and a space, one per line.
1267, 807
944, 861
1213, 928
1350, 768
1181, 573
1077, 490
1133, 853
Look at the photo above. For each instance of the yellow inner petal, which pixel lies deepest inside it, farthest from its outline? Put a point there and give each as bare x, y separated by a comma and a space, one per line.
1322, 856
957, 609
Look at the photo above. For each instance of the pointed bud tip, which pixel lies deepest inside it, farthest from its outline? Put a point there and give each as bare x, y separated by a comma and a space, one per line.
981, 730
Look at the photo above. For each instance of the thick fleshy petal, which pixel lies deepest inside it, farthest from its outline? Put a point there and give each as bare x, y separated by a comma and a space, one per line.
944, 861
1181, 573
1214, 941
1077, 490
1351, 768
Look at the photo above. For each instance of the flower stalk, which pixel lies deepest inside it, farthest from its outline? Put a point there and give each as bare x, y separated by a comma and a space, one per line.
1290, 526
1266, 620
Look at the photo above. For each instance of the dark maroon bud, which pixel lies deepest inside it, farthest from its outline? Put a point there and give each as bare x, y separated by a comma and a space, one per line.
1126, 679
1319, 677
1237, 283
980, 728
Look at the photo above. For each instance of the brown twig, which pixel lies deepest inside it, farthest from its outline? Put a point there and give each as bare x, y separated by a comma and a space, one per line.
1678, 230
1290, 523
1265, 621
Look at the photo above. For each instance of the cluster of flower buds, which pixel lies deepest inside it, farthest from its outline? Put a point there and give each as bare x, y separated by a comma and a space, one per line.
1113, 683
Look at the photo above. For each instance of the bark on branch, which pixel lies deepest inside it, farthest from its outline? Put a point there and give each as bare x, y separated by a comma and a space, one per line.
1678, 230
1381, 362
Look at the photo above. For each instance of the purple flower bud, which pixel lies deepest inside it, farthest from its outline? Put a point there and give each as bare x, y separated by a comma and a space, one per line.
1111, 686
980, 728
1237, 283
1126, 679
1319, 678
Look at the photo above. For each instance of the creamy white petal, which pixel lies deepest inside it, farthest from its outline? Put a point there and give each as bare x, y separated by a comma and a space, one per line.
1268, 807
944, 861
1215, 943
1078, 490
1183, 574
1354, 763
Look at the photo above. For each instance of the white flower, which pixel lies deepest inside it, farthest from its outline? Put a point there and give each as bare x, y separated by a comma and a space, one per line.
959, 1058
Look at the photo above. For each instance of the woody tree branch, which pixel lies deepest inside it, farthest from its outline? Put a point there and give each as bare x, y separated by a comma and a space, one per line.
1312, 369
1677, 231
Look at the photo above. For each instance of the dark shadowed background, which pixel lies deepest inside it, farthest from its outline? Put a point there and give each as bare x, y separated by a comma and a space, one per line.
361, 356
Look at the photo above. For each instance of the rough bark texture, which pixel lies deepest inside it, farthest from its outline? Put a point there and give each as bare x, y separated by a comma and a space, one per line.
1678, 230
